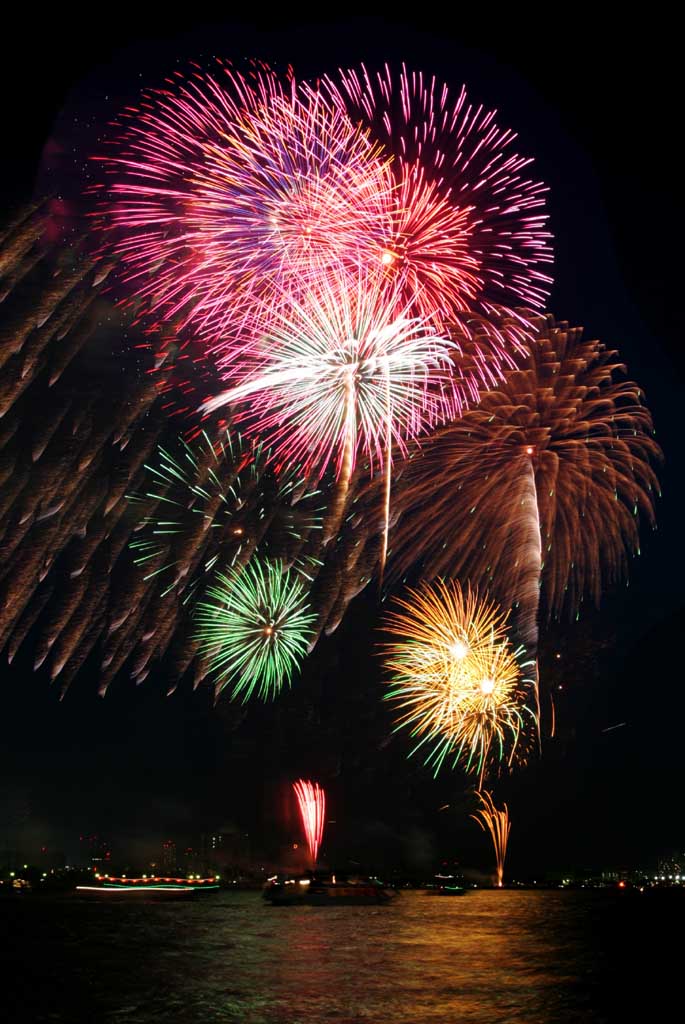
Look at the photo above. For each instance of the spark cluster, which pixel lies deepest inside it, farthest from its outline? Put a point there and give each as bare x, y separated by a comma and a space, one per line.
465, 234
224, 189
213, 503
228, 195
342, 371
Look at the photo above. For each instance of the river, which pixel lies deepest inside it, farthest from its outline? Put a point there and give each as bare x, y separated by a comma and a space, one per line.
518, 957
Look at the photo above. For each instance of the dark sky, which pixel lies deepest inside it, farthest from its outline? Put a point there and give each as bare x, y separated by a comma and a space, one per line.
598, 105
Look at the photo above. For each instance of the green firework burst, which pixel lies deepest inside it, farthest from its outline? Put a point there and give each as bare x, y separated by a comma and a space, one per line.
253, 628
213, 503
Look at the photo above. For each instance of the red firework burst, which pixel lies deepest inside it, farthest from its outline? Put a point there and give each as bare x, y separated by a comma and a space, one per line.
466, 236
311, 801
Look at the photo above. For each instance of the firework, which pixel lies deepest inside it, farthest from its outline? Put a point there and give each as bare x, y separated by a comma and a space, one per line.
69, 533
456, 682
539, 490
466, 234
212, 502
311, 801
344, 368
226, 188
253, 629
497, 823
347, 374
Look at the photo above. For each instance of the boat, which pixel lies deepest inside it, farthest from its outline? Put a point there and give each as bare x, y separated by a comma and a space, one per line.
140, 893
146, 888
331, 890
446, 885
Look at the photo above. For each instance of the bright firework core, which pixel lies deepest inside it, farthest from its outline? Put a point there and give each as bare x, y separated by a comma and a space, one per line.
459, 649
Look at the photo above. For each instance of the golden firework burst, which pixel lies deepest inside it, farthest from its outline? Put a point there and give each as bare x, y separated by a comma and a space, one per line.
456, 681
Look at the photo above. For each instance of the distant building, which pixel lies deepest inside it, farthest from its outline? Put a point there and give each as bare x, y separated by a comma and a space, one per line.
168, 860
95, 852
225, 849
192, 861
671, 864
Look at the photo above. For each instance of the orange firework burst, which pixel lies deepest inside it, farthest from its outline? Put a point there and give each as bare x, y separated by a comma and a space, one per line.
541, 487
456, 680
538, 491
497, 823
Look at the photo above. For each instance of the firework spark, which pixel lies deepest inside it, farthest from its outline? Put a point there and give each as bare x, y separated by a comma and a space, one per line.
497, 823
311, 801
455, 679
466, 233
253, 629
224, 185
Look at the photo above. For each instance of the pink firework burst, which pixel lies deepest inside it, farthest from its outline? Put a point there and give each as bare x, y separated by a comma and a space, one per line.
311, 801
225, 190
466, 236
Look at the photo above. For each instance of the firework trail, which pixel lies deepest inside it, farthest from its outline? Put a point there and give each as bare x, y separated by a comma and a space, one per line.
224, 185
455, 679
209, 502
537, 493
465, 235
253, 629
311, 802
497, 823
76, 439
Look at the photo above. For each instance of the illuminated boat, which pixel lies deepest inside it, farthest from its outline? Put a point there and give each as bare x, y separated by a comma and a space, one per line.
147, 888
446, 885
327, 891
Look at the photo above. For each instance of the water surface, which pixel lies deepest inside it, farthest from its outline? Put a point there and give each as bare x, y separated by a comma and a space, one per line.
489, 957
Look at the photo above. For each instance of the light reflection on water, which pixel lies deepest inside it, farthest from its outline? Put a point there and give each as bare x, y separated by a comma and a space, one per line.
489, 957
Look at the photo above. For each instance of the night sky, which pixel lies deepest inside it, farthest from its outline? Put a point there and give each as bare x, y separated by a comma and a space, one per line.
597, 106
